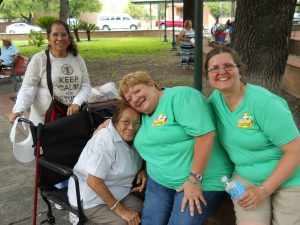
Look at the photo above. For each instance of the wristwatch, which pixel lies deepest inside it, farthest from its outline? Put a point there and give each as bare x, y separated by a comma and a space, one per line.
198, 176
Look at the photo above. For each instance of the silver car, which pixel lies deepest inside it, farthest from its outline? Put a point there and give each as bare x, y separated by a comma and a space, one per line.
21, 28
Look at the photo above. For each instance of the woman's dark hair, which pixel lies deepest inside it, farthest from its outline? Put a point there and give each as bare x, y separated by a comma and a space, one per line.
235, 56
118, 112
72, 48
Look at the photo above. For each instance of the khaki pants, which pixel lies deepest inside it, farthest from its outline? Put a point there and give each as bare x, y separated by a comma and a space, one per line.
102, 215
282, 207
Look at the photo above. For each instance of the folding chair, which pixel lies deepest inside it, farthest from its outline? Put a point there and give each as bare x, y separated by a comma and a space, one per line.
58, 146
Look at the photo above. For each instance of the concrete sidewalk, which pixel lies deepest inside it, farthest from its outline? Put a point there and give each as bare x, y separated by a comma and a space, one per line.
16, 178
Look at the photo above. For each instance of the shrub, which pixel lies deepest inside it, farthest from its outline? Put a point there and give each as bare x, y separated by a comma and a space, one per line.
88, 27
44, 21
36, 38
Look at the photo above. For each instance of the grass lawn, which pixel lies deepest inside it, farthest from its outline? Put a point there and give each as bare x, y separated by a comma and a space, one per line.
100, 48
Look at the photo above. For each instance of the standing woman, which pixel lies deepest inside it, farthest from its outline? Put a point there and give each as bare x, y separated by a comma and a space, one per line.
258, 131
187, 42
184, 160
70, 78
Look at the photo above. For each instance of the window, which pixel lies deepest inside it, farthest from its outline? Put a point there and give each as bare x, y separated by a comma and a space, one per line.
104, 18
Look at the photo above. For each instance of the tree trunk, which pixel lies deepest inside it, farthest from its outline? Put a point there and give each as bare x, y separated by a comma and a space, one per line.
64, 10
88, 33
76, 35
189, 10
262, 34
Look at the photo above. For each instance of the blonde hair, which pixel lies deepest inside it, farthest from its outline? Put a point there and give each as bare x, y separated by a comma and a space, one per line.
187, 23
135, 78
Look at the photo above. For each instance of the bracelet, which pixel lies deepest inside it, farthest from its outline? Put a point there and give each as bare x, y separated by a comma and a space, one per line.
115, 205
198, 183
264, 189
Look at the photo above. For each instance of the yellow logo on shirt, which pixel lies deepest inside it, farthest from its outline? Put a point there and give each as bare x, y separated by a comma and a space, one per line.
245, 121
161, 120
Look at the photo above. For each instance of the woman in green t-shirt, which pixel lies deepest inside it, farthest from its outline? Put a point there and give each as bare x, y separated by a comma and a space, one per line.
184, 161
257, 130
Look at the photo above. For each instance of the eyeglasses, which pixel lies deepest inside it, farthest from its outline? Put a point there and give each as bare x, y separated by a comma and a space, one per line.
227, 68
127, 123
62, 35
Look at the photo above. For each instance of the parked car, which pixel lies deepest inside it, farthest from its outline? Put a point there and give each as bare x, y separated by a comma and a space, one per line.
21, 28
118, 22
178, 22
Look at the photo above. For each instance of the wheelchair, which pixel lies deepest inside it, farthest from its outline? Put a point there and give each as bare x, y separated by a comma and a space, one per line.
58, 146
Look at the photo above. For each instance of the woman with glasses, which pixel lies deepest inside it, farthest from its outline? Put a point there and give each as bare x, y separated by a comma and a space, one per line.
257, 130
106, 170
184, 160
69, 76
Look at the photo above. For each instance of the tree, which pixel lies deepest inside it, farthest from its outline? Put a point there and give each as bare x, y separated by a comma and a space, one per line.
7, 11
80, 6
64, 10
23, 9
262, 34
88, 27
135, 10
75, 27
218, 9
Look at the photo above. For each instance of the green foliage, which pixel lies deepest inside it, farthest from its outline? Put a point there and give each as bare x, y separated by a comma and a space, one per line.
44, 21
77, 25
24, 9
102, 48
36, 38
218, 9
135, 10
7, 11
82, 6
89, 26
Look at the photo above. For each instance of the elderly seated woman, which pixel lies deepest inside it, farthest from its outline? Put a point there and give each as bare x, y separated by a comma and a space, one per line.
8, 53
107, 168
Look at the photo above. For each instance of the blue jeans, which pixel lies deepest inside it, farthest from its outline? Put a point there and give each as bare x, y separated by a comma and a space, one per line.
162, 206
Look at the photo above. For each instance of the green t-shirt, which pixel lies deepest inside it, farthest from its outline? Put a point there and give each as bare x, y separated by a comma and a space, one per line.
254, 131
166, 140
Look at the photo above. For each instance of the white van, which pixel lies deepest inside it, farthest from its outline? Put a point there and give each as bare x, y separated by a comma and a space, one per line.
118, 22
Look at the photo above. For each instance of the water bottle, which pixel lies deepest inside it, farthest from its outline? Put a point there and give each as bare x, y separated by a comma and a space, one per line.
234, 188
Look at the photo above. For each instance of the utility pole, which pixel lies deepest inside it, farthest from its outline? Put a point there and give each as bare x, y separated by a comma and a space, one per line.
165, 30
173, 29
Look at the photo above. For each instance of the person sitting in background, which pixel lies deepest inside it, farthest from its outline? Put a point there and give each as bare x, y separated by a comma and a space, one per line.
106, 170
219, 37
187, 42
215, 26
9, 53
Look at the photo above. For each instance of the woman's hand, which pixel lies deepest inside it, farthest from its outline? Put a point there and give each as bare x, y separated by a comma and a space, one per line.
12, 117
130, 216
73, 109
252, 197
192, 195
140, 182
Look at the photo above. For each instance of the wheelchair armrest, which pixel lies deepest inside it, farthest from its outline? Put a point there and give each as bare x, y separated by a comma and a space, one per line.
59, 168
